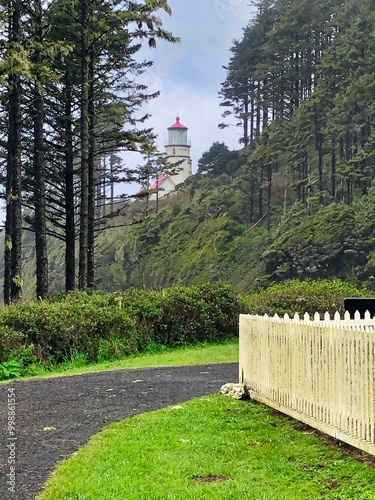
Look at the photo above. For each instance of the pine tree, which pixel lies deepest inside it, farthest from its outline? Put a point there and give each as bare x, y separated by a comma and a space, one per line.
16, 65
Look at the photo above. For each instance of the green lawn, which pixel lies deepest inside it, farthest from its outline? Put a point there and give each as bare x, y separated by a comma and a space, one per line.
210, 448
200, 354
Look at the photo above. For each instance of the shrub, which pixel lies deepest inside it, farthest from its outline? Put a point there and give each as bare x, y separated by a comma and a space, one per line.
10, 369
58, 329
77, 360
144, 307
302, 296
197, 314
112, 349
101, 326
10, 341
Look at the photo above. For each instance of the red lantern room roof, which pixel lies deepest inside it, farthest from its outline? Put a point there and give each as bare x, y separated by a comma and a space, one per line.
178, 124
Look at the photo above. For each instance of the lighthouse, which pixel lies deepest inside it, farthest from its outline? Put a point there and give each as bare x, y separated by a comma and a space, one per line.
177, 149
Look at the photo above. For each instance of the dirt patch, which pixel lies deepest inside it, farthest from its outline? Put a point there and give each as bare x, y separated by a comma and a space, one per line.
210, 479
302, 427
332, 484
311, 468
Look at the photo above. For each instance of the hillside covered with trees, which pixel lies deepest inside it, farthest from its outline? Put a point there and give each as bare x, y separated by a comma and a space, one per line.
296, 201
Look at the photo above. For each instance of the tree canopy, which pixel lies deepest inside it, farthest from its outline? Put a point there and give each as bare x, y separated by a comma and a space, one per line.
301, 82
70, 97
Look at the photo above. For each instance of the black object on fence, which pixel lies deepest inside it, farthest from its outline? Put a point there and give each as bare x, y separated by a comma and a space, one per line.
360, 304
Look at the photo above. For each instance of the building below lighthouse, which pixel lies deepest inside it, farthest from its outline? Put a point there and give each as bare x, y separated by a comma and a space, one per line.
177, 151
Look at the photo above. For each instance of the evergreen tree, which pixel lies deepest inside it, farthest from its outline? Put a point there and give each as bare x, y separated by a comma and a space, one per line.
16, 65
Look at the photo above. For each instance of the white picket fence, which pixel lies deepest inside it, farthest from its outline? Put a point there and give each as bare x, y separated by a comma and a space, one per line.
319, 371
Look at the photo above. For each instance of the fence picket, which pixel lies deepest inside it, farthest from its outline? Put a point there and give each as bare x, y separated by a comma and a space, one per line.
320, 371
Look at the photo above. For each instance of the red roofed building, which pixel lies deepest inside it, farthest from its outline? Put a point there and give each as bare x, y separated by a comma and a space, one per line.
157, 183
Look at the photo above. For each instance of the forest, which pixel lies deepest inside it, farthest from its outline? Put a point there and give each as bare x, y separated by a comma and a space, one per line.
301, 82
295, 201
70, 93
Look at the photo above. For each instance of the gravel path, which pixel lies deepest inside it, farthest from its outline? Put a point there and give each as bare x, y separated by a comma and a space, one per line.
56, 416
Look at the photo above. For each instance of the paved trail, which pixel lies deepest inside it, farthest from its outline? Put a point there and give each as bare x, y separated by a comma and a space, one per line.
74, 408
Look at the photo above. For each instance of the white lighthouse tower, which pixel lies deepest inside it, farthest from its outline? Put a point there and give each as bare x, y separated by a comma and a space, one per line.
177, 149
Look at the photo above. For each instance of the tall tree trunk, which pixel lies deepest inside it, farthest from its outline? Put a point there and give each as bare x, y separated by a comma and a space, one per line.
41, 254
84, 136
104, 192
70, 232
8, 236
349, 190
99, 188
91, 194
246, 121
296, 85
319, 146
252, 117
286, 192
281, 103
13, 224
40, 200
305, 176
260, 199
265, 106
333, 173
157, 192
252, 195
269, 193
16, 287
259, 109
112, 189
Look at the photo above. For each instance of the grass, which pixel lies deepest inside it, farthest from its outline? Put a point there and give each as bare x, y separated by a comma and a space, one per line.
210, 448
199, 354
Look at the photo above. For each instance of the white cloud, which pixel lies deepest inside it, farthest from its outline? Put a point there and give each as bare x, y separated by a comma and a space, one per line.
189, 74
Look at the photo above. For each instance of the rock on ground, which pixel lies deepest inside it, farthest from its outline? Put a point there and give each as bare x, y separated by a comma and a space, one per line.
236, 391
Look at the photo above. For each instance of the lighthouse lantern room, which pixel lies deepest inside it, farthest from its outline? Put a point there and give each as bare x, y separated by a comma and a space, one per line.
177, 134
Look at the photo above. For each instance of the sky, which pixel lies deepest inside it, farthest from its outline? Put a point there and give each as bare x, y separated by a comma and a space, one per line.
189, 74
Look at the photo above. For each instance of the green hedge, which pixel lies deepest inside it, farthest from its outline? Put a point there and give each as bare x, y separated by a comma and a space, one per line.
302, 296
57, 330
101, 326
196, 314
106, 325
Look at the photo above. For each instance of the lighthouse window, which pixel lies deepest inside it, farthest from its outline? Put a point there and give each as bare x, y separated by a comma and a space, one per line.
174, 151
